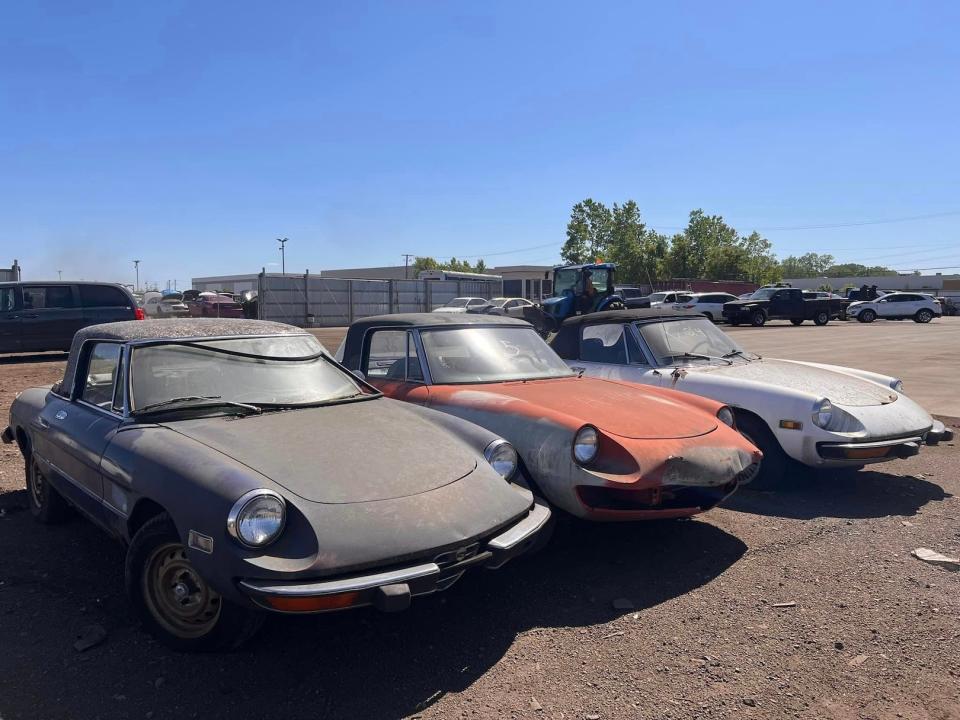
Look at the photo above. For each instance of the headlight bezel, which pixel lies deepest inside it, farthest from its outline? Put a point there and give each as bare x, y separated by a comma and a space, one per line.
820, 408
498, 446
576, 441
235, 516
726, 410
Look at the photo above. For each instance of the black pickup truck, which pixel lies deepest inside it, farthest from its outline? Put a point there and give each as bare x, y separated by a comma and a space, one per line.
783, 304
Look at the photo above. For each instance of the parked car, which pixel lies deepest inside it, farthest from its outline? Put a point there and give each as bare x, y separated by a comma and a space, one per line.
463, 305
156, 305
783, 303
41, 316
633, 298
214, 305
897, 306
707, 304
248, 471
822, 416
596, 449
502, 305
669, 297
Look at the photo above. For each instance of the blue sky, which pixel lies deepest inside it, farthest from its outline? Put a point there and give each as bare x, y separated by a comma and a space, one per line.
191, 135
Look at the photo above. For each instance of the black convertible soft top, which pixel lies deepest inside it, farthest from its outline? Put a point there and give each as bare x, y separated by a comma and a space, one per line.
131, 330
353, 345
566, 343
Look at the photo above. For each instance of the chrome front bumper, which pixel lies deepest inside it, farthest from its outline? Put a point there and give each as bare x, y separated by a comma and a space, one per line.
392, 590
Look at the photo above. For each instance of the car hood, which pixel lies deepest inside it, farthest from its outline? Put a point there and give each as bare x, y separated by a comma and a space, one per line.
840, 388
629, 411
450, 310
349, 453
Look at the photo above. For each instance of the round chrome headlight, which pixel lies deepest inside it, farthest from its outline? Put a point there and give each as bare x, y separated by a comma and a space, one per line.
897, 386
257, 518
502, 457
822, 413
725, 415
585, 444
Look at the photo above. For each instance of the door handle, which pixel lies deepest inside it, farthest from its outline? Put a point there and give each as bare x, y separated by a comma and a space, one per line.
43, 423
30, 317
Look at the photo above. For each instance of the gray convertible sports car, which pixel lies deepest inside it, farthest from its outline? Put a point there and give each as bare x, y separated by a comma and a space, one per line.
247, 470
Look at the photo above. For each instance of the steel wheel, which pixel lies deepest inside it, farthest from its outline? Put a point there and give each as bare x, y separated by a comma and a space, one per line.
175, 594
46, 504
36, 484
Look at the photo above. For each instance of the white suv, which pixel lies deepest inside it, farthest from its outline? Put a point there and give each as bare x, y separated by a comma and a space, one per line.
709, 304
669, 297
897, 306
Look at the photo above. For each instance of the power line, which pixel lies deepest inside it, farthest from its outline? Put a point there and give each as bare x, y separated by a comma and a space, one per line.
828, 226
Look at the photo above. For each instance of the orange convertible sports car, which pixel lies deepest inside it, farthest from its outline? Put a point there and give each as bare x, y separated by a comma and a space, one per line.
598, 449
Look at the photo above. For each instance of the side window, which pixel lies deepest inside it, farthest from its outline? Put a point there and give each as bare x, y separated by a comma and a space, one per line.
47, 297
102, 364
634, 352
102, 296
393, 356
603, 344
477, 301
7, 299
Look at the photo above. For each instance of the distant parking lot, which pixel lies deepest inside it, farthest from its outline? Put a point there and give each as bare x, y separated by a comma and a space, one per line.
925, 357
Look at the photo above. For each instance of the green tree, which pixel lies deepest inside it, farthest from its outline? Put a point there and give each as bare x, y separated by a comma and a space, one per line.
638, 251
857, 270
588, 232
807, 265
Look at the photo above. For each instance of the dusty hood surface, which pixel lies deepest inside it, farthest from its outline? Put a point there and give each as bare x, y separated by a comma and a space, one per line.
626, 411
355, 452
842, 389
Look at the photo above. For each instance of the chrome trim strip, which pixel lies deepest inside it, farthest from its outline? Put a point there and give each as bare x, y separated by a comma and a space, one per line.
333, 587
530, 525
881, 443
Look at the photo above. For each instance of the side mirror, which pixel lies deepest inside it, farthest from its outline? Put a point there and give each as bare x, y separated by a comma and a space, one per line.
359, 374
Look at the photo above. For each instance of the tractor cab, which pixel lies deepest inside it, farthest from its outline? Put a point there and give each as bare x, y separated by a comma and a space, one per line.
582, 289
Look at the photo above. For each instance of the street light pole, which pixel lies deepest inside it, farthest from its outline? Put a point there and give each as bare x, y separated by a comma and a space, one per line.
136, 267
283, 255
59, 274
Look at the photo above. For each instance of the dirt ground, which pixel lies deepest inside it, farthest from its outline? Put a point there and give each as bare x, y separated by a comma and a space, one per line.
672, 620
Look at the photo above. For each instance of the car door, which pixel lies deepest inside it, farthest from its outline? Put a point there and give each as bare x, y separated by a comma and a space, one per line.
50, 316
391, 363
888, 306
105, 303
9, 320
78, 429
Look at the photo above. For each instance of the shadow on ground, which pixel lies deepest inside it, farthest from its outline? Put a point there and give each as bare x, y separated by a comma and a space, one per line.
27, 359
56, 580
804, 495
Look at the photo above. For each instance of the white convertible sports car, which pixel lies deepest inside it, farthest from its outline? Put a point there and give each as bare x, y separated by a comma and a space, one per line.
823, 416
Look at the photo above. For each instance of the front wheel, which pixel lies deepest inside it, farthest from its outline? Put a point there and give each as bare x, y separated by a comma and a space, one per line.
734, 323
46, 504
923, 316
174, 602
758, 318
867, 316
776, 463
821, 318
708, 316
796, 321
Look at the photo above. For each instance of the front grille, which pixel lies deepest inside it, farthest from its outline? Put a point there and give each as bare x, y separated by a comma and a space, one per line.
667, 497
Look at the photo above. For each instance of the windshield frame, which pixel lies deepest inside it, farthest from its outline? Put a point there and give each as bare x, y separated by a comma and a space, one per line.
369, 392
430, 379
657, 361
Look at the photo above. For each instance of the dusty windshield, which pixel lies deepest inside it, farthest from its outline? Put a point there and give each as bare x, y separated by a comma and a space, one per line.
489, 354
697, 340
284, 371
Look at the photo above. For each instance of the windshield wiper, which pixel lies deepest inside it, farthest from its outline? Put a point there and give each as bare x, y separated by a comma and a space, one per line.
203, 400
355, 397
698, 356
741, 353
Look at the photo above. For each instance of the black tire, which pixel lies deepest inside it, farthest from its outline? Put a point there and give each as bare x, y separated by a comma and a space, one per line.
708, 316
923, 316
843, 314
775, 465
46, 504
734, 323
186, 615
796, 321
758, 318
821, 318
867, 316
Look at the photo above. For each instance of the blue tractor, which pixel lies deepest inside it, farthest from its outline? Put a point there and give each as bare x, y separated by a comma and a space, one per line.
577, 290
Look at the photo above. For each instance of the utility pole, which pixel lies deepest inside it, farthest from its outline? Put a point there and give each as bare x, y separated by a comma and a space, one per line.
283, 254
136, 267
406, 265
59, 274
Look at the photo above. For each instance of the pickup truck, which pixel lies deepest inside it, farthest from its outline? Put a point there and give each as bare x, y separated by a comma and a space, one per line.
772, 303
